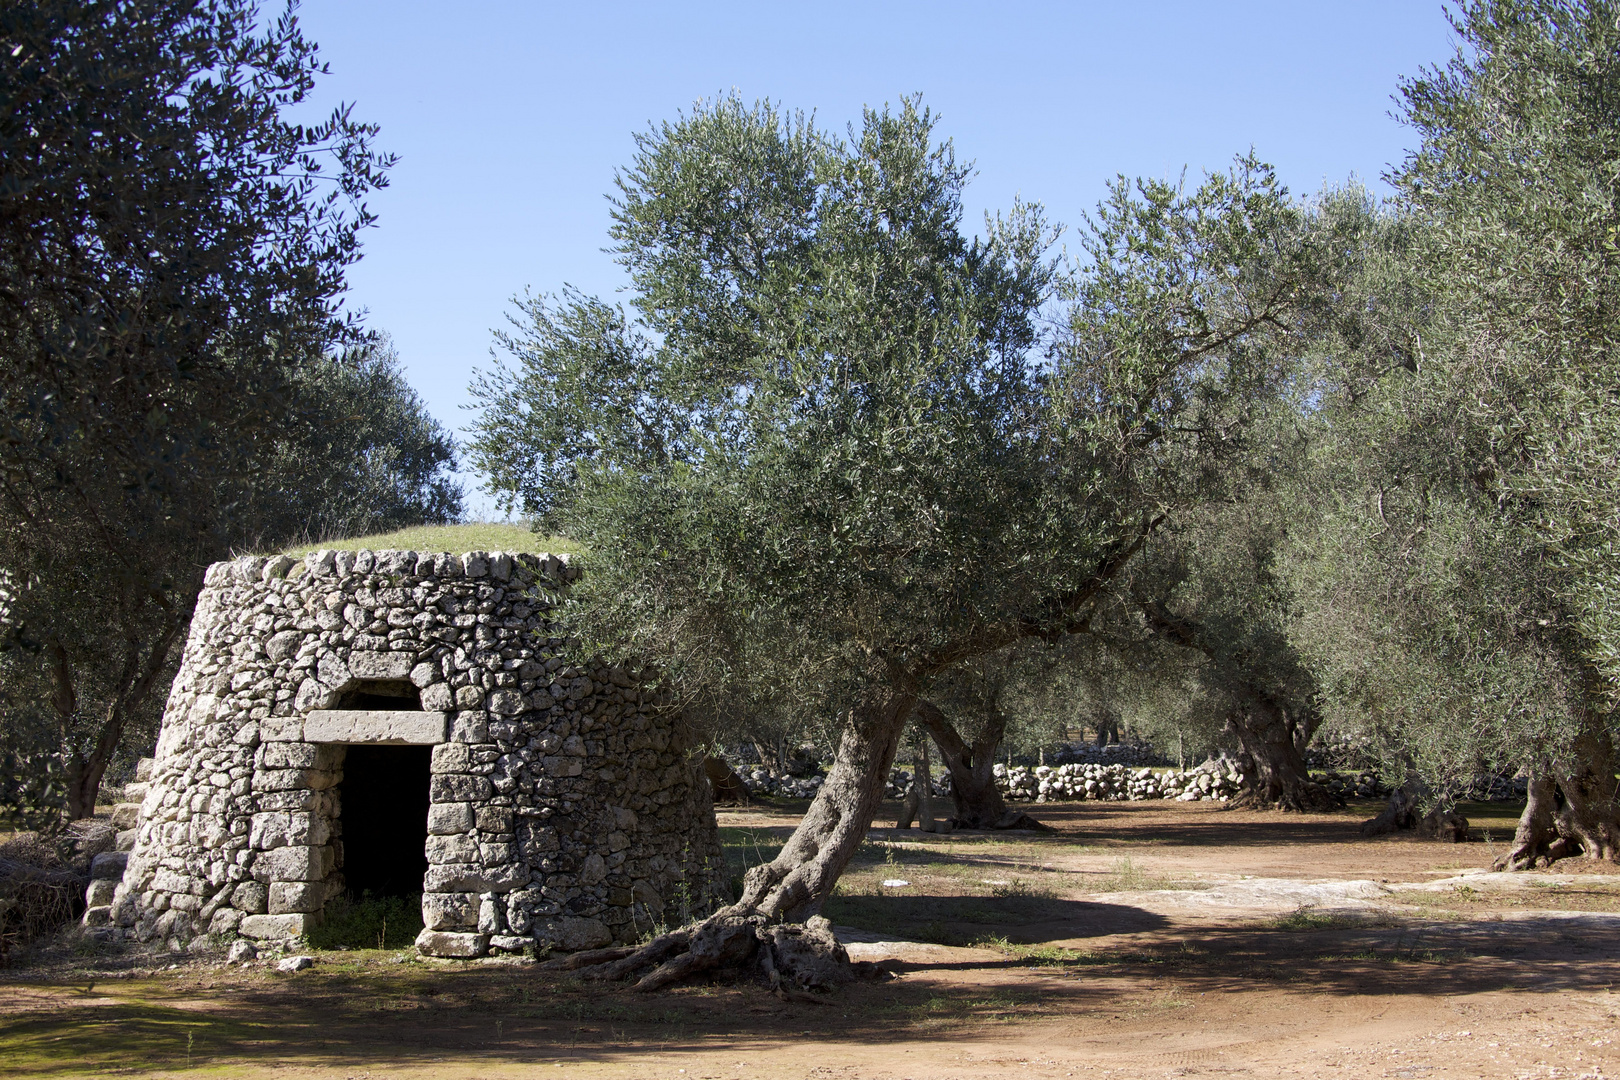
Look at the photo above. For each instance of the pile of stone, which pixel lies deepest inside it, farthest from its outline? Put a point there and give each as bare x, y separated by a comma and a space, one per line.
1218, 779
761, 781
1497, 788
900, 783
1332, 752
1353, 785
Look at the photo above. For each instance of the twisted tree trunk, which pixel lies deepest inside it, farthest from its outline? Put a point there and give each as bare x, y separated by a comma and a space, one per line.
978, 802
791, 887
1570, 810
1278, 777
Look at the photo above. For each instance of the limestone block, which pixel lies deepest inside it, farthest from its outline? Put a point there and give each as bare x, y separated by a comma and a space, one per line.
495, 819
593, 869
491, 916
424, 675
392, 728
298, 755
394, 562
291, 728
293, 779
98, 916
293, 864
475, 564
455, 848
296, 828
126, 815
381, 665
100, 893
572, 933
282, 645
450, 911
497, 852
471, 727
460, 946
453, 787
469, 697
451, 758
472, 878
279, 927
439, 696
500, 566
333, 672
225, 921
288, 897
109, 865
252, 897
448, 819
510, 943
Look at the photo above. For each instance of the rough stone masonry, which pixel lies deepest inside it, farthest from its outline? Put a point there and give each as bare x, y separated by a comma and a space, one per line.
566, 808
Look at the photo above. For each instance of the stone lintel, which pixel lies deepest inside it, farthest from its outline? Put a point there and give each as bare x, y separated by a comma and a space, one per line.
391, 728
381, 665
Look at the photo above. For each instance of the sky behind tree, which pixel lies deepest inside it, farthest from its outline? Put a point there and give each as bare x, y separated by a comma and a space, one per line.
510, 118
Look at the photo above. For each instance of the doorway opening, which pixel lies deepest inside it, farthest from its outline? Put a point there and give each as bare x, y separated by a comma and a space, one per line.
384, 800
382, 694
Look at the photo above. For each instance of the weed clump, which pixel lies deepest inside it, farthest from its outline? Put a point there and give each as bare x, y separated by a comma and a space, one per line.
369, 922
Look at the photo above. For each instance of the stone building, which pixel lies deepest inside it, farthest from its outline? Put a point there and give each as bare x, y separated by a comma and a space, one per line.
400, 723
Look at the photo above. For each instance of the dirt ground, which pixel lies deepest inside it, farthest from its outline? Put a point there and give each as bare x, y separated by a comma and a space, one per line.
1135, 940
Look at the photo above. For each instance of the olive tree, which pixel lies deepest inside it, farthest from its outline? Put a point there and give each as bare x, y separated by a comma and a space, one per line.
1464, 577
826, 439
173, 248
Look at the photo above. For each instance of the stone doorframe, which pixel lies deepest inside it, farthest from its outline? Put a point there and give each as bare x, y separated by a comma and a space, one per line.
300, 765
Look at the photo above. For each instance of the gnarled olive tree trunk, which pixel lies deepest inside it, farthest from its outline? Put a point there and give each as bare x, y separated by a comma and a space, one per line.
791, 887
1570, 810
978, 802
1274, 743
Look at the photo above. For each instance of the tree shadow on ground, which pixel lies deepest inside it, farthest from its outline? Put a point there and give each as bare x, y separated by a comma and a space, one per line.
1057, 961
971, 920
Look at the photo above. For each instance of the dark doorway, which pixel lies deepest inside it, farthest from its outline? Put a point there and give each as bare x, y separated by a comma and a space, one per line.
385, 808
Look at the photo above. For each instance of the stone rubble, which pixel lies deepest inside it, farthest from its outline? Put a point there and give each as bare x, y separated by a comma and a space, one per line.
1217, 779
567, 808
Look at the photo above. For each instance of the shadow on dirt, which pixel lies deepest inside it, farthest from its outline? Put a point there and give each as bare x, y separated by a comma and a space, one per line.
970, 920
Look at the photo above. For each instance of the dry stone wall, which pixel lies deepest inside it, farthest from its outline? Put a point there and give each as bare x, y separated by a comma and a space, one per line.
566, 808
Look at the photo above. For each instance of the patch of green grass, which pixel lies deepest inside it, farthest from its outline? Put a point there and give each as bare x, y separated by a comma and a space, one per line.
1412, 955
1125, 876
1306, 917
479, 536
384, 922
1021, 887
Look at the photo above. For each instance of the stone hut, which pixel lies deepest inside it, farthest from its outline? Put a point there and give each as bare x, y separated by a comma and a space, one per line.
406, 723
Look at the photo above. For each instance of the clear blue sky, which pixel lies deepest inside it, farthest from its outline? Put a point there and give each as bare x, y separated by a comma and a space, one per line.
510, 118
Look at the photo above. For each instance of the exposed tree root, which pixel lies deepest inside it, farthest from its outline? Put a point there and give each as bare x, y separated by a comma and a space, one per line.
1011, 819
789, 957
1401, 813
1305, 796
1565, 816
